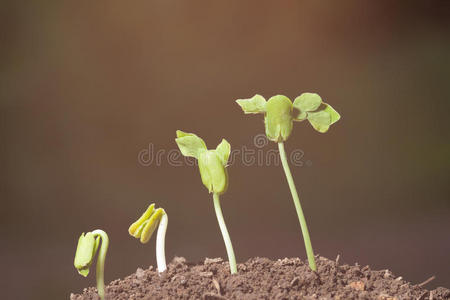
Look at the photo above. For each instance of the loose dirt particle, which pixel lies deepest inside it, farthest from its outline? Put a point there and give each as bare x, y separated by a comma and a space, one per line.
386, 297
177, 260
357, 285
140, 273
209, 261
211, 296
217, 286
206, 274
295, 281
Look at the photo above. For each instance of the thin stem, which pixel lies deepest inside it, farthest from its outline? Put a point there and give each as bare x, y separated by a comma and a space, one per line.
101, 262
226, 236
160, 243
298, 207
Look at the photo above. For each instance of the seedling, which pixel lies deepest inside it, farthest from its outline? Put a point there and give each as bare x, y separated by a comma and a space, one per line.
87, 247
279, 114
144, 227
212, 165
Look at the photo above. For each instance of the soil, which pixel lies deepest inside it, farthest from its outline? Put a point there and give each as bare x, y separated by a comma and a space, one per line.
262, 278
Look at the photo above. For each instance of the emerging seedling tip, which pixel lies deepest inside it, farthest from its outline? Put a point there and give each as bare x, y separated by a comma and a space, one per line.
86, 249
144, 227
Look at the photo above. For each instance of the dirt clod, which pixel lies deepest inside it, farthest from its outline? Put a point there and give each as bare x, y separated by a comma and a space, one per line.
217, 286
177, 260
357, 285
209, 261
261, 278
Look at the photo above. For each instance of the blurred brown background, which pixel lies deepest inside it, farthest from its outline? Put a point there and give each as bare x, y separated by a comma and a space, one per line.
85, 86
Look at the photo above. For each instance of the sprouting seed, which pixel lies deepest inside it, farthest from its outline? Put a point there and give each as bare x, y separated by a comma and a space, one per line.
86, 249
144, 227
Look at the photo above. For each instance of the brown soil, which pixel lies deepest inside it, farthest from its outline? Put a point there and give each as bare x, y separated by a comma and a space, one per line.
261, 278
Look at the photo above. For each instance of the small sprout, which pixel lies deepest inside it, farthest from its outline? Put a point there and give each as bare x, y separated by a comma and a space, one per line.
86, 249
144, 227
212, 165
279, 114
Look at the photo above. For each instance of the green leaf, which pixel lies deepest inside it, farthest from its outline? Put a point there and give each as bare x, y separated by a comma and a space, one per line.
223, 151
320, 120
335, 116
307, 102
190, 144
254, 105
181, 133
85, 253
135, 226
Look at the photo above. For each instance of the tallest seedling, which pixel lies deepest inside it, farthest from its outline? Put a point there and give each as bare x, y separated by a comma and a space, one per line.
279, 114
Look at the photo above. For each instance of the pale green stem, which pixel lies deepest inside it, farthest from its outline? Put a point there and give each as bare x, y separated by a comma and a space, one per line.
160, 242
226, 236
298, 207
100, 272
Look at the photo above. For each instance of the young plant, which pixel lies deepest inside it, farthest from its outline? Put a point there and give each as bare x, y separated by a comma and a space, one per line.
144, 227
87, 247
212, 165
279, 114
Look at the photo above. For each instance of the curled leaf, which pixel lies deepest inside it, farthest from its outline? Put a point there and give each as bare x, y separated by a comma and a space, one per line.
190, 144
335, 116
320, 120
151, 225
223, 151
144, 227
307, 102
133, 229
254, 105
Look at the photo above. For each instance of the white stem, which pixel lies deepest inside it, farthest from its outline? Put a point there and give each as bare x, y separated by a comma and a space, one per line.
160, 243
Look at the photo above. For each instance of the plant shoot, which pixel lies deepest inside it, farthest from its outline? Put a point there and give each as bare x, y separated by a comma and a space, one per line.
279, 114
86, 249
144, 227
212, 166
